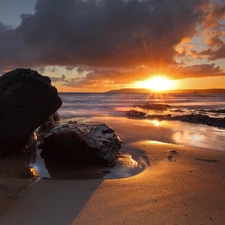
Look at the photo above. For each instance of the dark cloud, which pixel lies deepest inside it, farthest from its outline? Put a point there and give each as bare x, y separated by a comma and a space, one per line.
112, 40
215, 13
219, 53
206, 52
106, 33
204, 70
211, 54
215, 42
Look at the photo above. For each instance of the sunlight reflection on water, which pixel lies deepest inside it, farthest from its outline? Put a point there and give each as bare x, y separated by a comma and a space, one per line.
174, 132
199, 135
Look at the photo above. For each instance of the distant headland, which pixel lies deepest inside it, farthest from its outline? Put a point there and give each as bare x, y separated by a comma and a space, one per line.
191, 91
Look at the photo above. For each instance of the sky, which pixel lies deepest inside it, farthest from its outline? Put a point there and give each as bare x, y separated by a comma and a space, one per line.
99, 45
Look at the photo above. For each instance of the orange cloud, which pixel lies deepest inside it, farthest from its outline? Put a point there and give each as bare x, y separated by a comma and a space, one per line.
215, 13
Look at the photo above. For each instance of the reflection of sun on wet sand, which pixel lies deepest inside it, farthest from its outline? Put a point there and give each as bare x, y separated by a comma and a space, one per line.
182, 185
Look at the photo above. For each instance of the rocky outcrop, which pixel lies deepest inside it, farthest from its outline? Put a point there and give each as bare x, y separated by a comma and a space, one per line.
27, 99
215, 110
143, 115
190, 118
202, 119
89, 143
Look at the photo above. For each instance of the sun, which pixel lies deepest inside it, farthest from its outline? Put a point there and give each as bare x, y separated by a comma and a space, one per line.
158, 83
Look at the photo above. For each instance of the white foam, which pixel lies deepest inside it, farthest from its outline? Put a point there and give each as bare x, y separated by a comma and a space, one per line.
127, 167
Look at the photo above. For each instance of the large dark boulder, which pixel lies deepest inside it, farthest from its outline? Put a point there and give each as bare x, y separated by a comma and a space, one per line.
27, 99
83, 142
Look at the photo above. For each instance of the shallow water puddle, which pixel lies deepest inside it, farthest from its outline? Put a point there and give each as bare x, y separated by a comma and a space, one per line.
129, 164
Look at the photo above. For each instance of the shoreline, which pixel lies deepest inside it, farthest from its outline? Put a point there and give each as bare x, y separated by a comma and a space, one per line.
168, 132
132, 161
182, 185
184, 190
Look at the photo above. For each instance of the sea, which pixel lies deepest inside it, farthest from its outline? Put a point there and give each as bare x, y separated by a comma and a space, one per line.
80, 105
86, 107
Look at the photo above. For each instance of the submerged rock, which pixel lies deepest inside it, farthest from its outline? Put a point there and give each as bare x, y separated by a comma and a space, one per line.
154, 106
143, 115
159, 117
135, 113
88, 143
27, 99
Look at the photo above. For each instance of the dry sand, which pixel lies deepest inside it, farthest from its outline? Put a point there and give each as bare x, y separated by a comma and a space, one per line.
182, 185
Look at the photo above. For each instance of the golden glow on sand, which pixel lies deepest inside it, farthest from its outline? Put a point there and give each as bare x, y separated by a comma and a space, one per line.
157, 83
157, 142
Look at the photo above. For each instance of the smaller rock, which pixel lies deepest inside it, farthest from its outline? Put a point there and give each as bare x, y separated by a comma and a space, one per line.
76, 142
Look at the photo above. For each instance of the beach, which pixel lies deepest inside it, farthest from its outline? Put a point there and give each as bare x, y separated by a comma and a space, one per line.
182, 184
112, 112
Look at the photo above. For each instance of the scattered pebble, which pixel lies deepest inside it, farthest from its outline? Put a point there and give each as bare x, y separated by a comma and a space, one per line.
173, 152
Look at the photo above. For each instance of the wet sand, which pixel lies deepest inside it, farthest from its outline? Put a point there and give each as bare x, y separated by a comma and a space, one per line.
181, 185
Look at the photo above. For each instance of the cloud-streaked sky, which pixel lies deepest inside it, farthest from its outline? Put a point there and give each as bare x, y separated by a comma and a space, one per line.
87, 45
